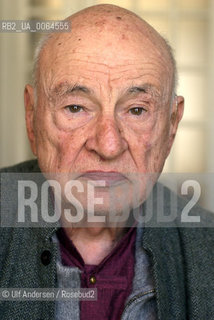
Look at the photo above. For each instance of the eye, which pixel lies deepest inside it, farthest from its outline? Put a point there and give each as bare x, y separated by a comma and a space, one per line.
137, 111
74, 108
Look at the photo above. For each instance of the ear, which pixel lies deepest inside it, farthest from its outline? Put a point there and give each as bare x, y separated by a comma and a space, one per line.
30, 116
175, 118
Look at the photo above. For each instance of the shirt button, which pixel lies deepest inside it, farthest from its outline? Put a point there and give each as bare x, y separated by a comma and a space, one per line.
46, 257
92, 280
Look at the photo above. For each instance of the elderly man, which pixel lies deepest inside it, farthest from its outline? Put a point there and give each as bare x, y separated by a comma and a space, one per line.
103, 113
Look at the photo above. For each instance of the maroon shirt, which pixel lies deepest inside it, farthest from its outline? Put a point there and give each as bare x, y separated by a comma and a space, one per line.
113, 276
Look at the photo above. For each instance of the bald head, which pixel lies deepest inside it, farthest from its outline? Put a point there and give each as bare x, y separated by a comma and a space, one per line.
104, 92
107, 29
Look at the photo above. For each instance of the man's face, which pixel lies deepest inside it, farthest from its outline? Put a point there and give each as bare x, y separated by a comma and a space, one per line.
103, 113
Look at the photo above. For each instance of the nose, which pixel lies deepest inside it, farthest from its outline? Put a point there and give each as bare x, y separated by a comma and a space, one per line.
106, 139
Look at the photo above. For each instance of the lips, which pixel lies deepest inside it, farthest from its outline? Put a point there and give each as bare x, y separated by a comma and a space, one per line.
110, 177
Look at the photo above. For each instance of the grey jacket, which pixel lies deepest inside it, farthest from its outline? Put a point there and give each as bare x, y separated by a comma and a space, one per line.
181, 261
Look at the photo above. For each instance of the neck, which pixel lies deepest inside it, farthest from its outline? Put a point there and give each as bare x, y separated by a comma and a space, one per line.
94, 240
94, 243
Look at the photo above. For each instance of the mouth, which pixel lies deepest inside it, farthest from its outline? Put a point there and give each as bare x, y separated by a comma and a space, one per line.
110, 178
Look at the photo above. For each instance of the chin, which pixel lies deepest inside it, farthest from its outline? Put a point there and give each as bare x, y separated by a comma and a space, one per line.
107, 207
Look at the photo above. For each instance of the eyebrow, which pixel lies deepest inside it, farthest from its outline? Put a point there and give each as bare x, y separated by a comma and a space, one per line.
145, 88
136, 90
66, 88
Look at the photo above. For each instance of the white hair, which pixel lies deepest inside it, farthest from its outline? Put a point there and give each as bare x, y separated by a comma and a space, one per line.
39, 47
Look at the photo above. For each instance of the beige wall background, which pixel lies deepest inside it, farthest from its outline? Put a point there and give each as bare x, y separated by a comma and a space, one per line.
189, 27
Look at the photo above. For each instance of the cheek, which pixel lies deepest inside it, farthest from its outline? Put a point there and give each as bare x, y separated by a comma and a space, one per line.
62, 148
150, 132
159, 150
157, 135
151, 146
154, 136
51, 143
66, 144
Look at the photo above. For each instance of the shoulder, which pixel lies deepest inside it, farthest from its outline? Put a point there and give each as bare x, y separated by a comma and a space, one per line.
25, 167
170, 215
8, 196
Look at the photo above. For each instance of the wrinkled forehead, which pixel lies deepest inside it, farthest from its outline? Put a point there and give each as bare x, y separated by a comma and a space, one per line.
117, 45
